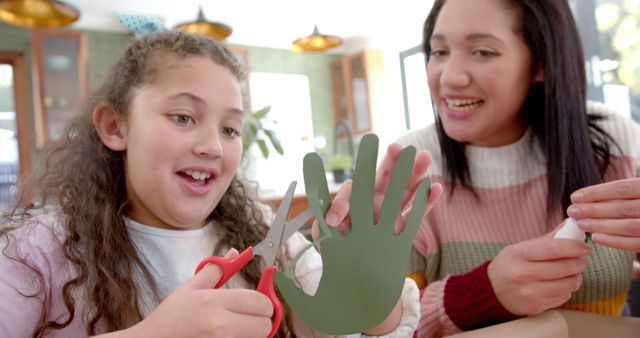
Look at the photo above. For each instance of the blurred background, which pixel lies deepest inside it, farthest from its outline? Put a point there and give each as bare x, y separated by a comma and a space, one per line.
362, 71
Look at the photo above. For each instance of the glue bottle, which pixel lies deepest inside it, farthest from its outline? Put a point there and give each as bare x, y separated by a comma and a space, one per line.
570, 230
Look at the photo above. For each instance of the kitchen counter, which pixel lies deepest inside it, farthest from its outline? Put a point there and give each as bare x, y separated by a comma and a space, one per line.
299, 203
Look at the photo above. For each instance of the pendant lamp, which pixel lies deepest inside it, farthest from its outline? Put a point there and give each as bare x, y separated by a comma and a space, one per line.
213, 30
38, 13
315, 42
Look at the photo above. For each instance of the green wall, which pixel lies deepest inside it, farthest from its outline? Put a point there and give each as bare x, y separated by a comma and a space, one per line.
105, 47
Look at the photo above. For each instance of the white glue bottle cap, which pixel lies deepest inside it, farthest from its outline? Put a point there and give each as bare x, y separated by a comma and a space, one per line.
570, 230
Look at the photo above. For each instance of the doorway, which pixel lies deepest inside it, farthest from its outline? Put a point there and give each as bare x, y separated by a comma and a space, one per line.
15, 159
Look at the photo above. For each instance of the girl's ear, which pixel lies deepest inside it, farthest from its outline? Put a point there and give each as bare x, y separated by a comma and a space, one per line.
110, 129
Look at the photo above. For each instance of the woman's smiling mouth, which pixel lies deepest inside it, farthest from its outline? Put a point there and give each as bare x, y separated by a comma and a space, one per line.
463, 105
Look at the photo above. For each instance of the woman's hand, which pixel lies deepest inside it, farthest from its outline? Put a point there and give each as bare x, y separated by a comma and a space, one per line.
533, 276
338, 213
395, 222
197, 310
611, 212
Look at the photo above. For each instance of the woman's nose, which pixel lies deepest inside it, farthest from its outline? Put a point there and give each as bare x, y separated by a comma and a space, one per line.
454, 73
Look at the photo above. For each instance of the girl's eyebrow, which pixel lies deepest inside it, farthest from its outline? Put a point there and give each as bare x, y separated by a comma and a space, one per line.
200, 100
236, 111
189, 96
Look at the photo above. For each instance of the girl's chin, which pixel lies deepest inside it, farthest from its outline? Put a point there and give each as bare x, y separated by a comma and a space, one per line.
189, 225
191, 219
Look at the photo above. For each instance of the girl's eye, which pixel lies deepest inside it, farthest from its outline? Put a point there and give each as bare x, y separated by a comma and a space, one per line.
182, 119
230, 132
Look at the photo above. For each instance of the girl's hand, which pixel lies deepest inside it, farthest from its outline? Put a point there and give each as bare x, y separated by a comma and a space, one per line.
196, 309
533, 276
611, 212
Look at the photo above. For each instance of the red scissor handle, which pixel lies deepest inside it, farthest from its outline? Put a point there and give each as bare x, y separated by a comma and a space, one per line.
265, 287
229, 267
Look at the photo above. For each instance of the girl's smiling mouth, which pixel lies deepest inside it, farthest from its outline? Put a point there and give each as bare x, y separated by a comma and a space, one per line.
198, 181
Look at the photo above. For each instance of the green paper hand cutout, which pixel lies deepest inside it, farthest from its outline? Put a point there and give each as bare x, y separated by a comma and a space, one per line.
363, 272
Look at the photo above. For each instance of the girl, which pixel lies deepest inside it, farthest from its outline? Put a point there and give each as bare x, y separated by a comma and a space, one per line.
141, 189
514, 141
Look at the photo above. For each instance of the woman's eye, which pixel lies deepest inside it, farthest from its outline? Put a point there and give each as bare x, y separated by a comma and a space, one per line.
230, 132
484, 52
437, 52
182, 119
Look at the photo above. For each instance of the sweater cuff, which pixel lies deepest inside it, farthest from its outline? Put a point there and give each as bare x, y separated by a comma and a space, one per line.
471, 303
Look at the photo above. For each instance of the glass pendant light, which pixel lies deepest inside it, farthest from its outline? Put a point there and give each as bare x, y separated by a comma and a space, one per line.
315, 42
38, 13
214, 30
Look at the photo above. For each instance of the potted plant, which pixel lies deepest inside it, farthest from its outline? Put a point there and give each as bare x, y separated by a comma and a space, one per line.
257, 132
341, 166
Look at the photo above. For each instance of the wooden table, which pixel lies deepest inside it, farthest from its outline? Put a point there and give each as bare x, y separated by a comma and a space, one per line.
561, 324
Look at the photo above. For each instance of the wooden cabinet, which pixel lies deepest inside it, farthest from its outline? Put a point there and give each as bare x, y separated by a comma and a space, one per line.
358, 88
59, 70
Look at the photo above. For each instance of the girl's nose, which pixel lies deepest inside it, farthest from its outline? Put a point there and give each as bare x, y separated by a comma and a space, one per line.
208, 143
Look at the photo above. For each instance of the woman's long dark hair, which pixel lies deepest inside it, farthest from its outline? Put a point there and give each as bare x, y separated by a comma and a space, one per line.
554, 109
85, 181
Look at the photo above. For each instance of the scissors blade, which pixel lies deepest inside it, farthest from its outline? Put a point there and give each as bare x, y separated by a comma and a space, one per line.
269, 247
296, 223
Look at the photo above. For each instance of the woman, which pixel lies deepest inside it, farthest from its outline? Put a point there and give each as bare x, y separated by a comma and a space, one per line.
511, 143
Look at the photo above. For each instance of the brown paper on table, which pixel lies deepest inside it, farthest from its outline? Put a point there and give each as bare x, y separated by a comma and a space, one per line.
561, 324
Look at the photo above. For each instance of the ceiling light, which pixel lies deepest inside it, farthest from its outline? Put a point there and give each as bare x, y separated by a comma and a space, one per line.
214, 30
315, 42
38, 13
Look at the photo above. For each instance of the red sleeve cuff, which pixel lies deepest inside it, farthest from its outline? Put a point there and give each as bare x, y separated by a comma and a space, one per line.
470, 302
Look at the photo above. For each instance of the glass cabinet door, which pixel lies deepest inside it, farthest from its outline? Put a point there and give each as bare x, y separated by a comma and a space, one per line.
340, 102
360, 95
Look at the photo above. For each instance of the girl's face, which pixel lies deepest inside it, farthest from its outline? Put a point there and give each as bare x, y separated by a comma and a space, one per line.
183, 142
479, 72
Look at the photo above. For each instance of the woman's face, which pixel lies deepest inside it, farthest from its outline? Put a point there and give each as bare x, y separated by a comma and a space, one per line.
183, 142
479, 72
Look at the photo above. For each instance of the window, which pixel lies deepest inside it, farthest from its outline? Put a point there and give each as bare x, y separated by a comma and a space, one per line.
418, 109
290, 101
14, 140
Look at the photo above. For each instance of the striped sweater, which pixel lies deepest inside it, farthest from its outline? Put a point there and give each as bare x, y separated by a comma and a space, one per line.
461, 234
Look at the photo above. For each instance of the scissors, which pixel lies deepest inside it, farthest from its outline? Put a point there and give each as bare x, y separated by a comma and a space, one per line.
268, 248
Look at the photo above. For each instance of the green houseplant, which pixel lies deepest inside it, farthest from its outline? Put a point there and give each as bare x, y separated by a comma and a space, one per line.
341, 166
257, 132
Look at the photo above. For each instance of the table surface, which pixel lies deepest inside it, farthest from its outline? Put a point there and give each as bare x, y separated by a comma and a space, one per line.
561, 324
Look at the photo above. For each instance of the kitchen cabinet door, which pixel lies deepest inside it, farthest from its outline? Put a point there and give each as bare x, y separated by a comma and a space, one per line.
358, 88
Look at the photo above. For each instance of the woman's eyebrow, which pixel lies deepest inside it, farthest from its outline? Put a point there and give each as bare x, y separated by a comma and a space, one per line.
484, 36
471, 37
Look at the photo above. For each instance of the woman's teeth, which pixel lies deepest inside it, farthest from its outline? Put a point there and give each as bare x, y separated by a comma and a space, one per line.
198, 175
463, 105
